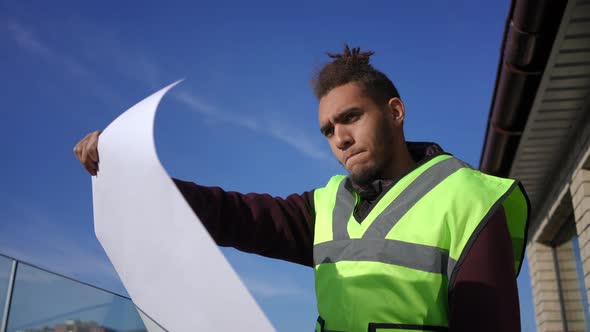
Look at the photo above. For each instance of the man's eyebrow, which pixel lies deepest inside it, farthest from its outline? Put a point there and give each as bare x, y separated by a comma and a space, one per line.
324, 128
340, 117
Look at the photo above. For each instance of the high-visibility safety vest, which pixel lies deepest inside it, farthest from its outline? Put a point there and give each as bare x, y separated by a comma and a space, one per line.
392, 271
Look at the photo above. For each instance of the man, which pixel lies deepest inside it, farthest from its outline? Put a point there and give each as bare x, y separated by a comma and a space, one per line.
412, 240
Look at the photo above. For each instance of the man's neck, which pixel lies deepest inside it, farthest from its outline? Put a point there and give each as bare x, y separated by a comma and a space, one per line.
401, 165
416, 152
402, 162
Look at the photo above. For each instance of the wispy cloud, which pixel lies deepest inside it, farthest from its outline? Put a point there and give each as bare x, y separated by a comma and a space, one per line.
196, 104
296, 138
28, 40
130, 64
279, 130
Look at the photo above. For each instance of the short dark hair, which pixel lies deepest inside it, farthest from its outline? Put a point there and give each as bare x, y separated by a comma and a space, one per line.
353, 66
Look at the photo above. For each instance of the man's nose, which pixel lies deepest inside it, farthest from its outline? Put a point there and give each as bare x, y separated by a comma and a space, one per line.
342, 138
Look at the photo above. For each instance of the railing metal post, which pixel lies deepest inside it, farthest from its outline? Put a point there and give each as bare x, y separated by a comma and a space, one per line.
8, 301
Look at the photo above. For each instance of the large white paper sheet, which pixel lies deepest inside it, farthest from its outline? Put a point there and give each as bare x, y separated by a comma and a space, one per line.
166, 259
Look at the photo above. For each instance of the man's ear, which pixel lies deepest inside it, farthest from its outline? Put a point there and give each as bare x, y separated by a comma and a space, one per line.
397, 109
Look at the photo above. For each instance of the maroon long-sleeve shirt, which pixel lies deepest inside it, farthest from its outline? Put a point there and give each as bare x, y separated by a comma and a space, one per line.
482, 295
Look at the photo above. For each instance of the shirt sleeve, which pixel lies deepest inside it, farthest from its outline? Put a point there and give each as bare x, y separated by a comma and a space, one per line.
484, 294
274, 227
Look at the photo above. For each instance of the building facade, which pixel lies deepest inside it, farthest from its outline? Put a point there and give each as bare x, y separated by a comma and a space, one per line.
539, 133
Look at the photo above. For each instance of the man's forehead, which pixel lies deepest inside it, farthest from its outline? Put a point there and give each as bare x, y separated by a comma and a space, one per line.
340, 99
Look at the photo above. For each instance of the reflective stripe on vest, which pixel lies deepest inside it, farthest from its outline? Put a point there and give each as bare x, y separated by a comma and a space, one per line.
393, 269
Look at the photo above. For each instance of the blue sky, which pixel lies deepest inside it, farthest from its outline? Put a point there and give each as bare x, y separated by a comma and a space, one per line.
244, 119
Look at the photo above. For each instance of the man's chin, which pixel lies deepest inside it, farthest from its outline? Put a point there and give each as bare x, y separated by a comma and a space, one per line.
363, 177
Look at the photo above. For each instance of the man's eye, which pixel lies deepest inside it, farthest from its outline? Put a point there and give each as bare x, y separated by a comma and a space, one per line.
350, 117
328, 132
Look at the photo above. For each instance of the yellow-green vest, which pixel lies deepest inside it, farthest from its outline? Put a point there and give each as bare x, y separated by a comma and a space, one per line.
392, 271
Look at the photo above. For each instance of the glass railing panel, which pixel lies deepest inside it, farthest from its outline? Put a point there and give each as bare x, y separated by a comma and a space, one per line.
5, 268
46, 302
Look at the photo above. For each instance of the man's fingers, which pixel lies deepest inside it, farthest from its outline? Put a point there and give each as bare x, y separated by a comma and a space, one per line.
79, 148
87, 152
90, 170
93, 146
92, 152
88, 163
78, 151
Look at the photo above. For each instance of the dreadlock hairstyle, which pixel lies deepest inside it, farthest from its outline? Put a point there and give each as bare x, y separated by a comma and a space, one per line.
353, 66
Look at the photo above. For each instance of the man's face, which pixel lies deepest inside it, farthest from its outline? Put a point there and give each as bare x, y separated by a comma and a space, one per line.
359, 131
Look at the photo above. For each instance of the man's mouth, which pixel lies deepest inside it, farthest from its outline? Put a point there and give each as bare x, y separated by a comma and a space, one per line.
351, 156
